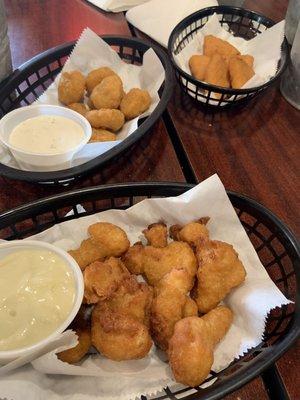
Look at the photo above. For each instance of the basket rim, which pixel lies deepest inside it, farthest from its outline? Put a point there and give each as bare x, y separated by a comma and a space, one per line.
72, 173
244, 374
220, 89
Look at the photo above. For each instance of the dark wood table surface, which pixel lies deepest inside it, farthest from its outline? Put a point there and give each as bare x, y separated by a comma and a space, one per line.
255, 150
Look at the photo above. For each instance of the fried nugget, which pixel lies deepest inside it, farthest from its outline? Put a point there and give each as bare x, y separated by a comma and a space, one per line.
96, 76
88, 252
192, 345
169, 305
102, 135
192, 233
240, 72
134, 258
213, 45
118, 336
135, 102
190, 308
156, 234
217, 73
102, 279
112, 120
108, 93
220, 270
75, 354
81, 108
71, 87
111, 236
198, 65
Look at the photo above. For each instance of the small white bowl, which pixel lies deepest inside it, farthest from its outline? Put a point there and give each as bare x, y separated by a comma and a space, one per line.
42, 162
10, 247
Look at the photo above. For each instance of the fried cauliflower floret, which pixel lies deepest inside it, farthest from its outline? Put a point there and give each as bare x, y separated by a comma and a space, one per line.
135, 102
71, 87
108, 93
112, 120
156, 234
192, 233
88, 252
96, 76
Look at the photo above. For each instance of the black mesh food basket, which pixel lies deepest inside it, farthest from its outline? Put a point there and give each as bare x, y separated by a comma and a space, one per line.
30, 80
241, 23
275, 244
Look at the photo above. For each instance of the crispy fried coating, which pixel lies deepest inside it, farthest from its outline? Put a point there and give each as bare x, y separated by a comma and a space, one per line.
96, 76
249, 60
169, 305
102, 279
75, 354
112, 120
217, 73
213, 45
156, 234
81, 108
240, 72
198, 65
220, 270
88, 252
108, 93
119, 336
192, 345
111, 236
192, 233
71, 87
135, 102
190, 308
102, 135
134, 258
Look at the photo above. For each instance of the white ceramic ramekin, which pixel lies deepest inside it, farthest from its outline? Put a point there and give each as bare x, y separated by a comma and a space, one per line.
10, 247
42, 162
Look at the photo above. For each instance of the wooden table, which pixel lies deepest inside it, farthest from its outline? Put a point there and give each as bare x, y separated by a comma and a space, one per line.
254, 152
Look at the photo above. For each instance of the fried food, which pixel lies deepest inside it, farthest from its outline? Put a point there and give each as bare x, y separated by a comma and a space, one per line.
240, 72
169, 305
118, 336
192, 344
217, 73
249, 60
198, 65
112, 120
220, 270
88, 252
192, 233
108, 93
81, 108
155, 262
75, 354
156, 234
213, 45
190, 308
96, 76
102, 279
71, 87
102, 135
135, 102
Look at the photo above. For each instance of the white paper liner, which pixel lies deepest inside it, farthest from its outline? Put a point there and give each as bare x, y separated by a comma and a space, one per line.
91, 52
109, 380
116, 5
265, 48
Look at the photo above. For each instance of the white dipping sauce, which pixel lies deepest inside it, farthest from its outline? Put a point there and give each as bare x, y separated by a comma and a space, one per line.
37, 293
46, 134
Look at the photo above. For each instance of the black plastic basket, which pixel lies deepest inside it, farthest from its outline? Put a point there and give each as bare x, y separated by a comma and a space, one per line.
240, 22
274, 242
30, 80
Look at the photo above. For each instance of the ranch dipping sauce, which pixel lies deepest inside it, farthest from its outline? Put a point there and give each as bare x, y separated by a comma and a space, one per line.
46, 134
37, 293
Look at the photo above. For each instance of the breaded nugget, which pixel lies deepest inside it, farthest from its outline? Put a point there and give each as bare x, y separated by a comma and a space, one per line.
135, 102
71, 87
75, 354
169, 305
88, 252
156, 234
217, 73
102, 279
198, 65
190, 308
108, 93
193, 233
191, 348
111, 236
213, 45
112, 120
220, 270
102, 135
118, 336
96, 76
81, 108
240, 72
133, 258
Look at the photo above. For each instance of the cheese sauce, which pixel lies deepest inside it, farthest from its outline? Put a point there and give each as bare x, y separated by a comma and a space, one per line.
37, 293
46, 134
